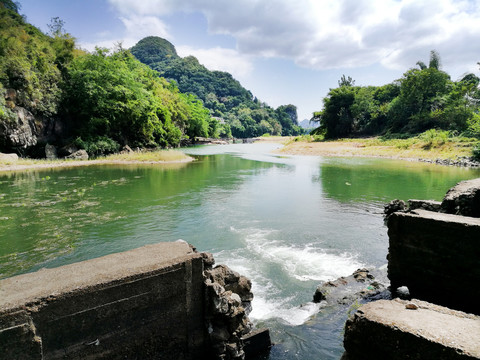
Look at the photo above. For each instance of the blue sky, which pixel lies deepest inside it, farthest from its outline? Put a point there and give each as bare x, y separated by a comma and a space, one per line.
285, 51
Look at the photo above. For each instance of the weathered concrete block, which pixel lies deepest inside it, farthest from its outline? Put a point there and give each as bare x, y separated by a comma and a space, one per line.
436, 256
387, 329
430, 205
463, 199
18, 337
144, 303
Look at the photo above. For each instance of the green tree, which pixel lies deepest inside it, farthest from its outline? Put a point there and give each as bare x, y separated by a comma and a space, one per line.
10, 5
336, 118
421, 92
115, 97
28, 63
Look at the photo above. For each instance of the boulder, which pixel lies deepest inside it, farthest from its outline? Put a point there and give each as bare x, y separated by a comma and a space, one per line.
345, 290
8, 157
67, 150
463, 199
78, 155
233, 281
50, 152
126, 150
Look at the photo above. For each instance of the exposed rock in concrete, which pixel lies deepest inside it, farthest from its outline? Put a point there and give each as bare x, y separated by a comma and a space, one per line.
345, 290
50, 152
430, 205
78, 155
436, 256
463, 199
398, 330
400, 206
393, 206
228, 298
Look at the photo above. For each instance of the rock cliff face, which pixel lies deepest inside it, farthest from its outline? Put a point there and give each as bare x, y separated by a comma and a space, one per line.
26, 130
20, 134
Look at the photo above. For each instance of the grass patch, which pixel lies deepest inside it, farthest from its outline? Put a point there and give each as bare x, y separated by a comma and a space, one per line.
431, 145
25, 161
148, 156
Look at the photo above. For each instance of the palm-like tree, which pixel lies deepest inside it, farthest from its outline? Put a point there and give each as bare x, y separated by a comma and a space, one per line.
434, 61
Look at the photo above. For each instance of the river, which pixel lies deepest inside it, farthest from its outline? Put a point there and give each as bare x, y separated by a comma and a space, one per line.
286, 222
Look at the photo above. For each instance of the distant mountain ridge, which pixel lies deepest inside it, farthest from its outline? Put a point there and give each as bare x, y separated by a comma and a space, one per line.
220, 92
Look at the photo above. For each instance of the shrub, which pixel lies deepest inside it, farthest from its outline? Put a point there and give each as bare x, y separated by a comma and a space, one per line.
434, 138
476, 152
97, 146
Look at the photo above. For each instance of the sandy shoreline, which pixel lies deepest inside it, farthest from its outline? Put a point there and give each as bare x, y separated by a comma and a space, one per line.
454, 154
337, 148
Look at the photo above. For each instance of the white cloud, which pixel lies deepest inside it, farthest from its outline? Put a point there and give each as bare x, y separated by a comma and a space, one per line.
222, 59
337, 34
136, 28
140, 26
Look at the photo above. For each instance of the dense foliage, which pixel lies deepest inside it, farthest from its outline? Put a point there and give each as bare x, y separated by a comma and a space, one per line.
117, 97
105, 99
424, 98
236, 108
29, 64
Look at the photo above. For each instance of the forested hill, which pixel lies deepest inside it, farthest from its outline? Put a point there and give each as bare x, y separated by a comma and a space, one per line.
224, 96
52, 92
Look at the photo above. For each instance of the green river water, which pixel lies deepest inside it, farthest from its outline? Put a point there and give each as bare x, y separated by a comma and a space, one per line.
286, 222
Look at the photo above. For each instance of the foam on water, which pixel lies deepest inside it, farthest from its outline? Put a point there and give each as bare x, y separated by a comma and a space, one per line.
307, 262
271, 299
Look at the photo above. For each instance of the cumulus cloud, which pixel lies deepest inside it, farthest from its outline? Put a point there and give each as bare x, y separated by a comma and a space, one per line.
137, 26
222, 59
336, 34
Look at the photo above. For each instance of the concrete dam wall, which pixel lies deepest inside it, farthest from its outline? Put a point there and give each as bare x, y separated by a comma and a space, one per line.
147, 303
436, 256
434, 251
